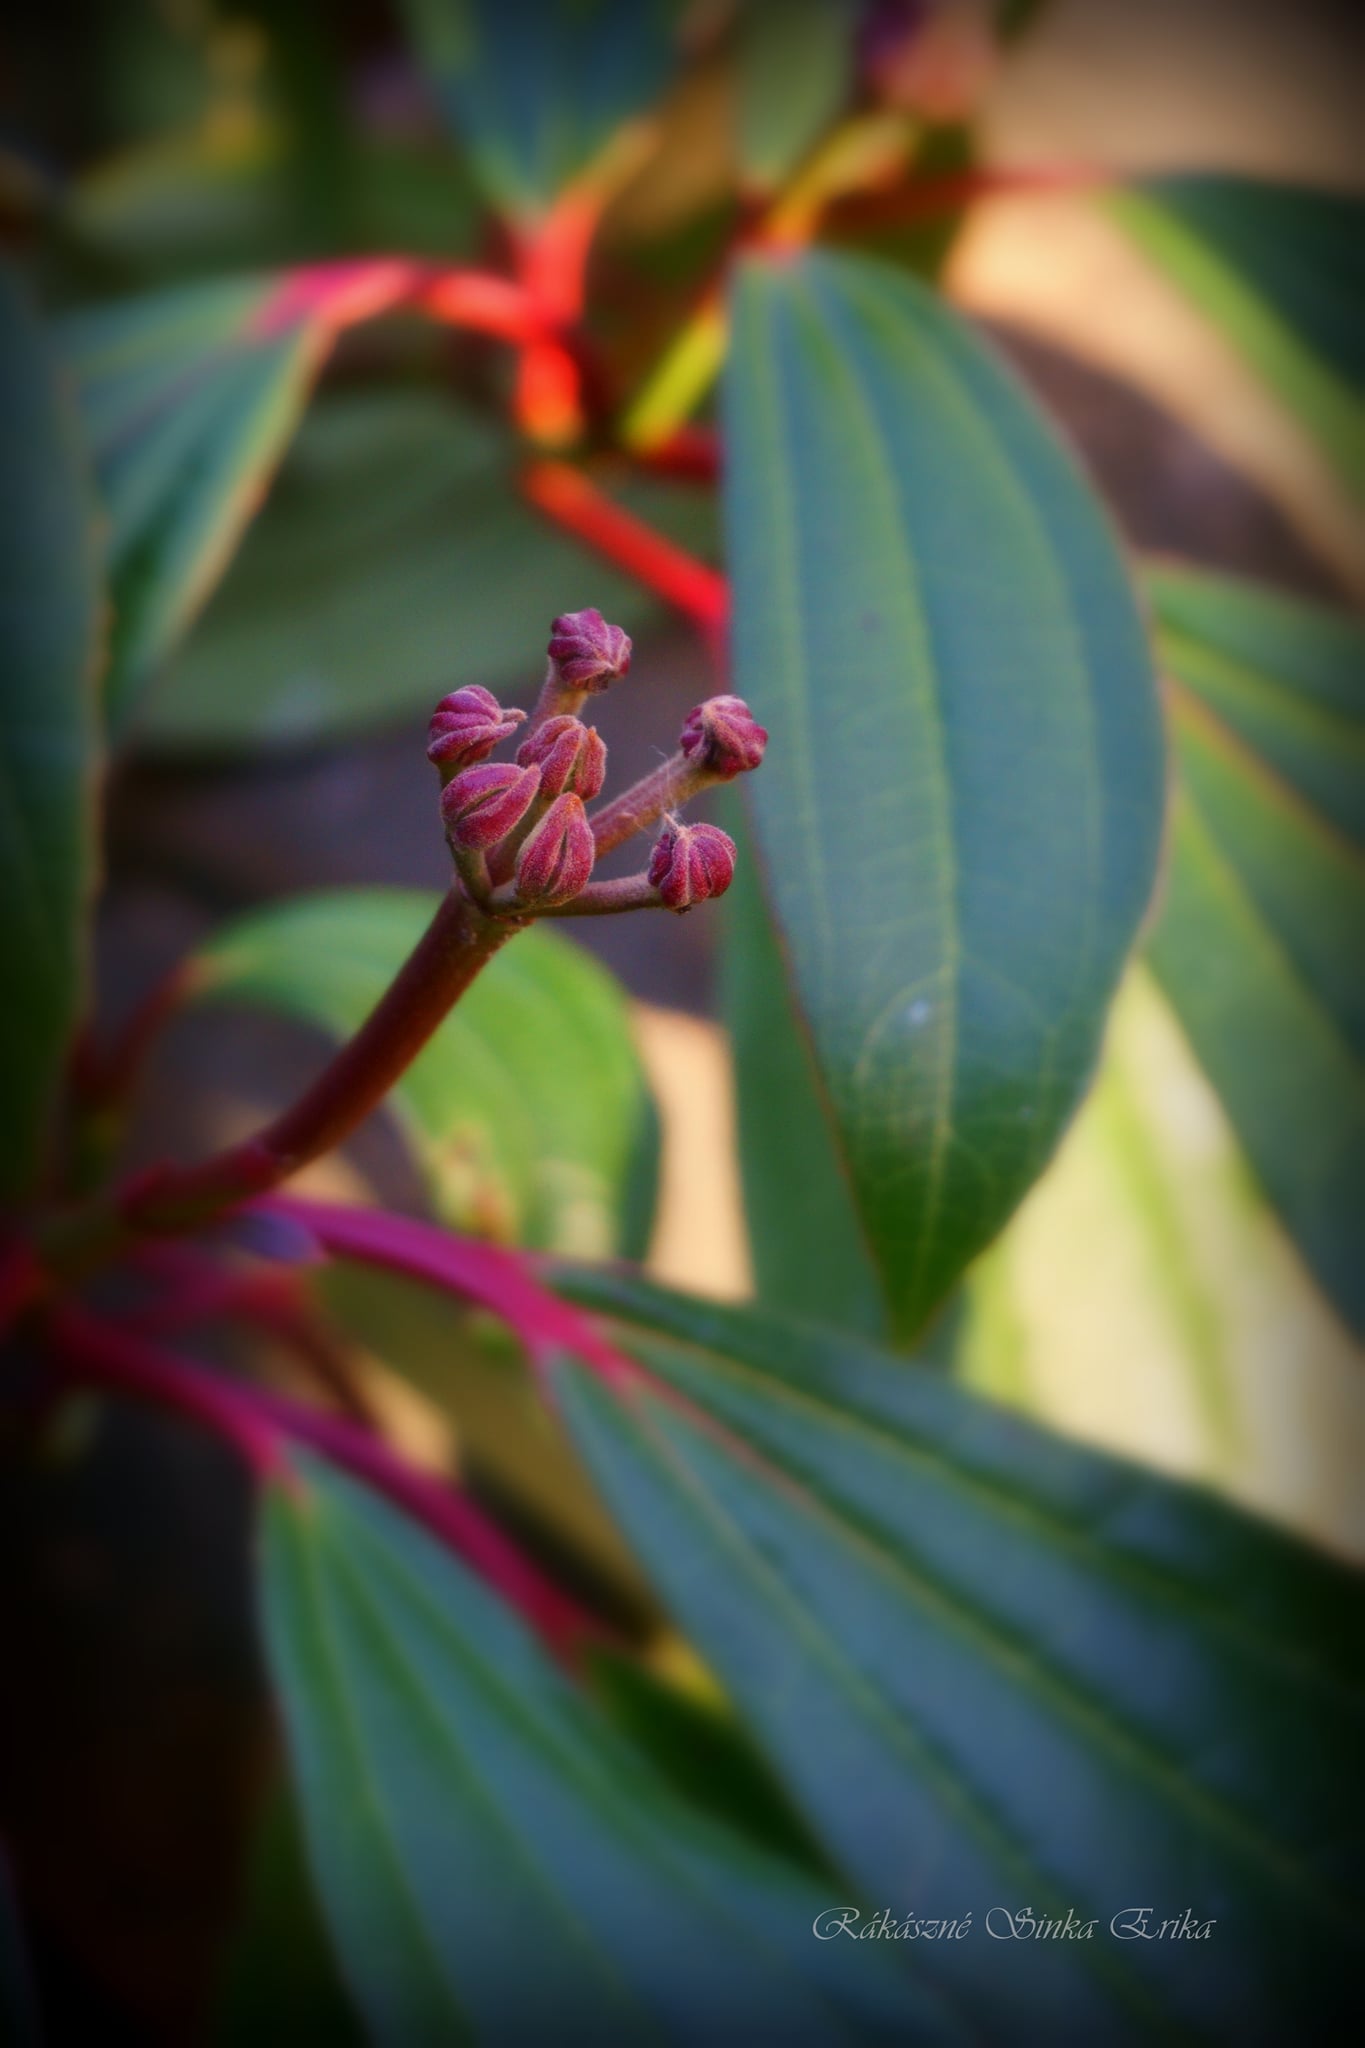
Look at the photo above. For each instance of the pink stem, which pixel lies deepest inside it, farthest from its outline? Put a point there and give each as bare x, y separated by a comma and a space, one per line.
124, 1363
496, 1279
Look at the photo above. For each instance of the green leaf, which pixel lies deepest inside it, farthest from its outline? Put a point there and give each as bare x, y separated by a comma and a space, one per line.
1258, 944
536, 101
187, 401
808, 1251
490, 1856
794, 74
1145, 1297
49, 611
995, 1670
960, 808
1280, 270
529, 1107
393, 556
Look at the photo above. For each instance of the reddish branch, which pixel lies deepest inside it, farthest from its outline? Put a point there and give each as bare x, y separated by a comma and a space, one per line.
574, 502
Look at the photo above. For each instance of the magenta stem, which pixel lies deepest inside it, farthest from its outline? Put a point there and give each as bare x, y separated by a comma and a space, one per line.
646, 801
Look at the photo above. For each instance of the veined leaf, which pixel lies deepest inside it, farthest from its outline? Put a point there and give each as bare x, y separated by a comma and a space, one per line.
1280, 269
1259, 940
1146, 1298
806, 1242
460, 1799
187, 397
960, 808
49, 608
994, 1670
528, 1110
536, 92
794, 71
393, 558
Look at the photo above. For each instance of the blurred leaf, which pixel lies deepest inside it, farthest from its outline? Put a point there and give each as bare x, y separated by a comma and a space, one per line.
197, 204
794, 75
393, 558
49, 616
187, 403
281, 1980
960, 809
995, 1670
536, 91
808, 1251
1280, 270
1145, 1296
493, 1860
528, 1106
1258, 947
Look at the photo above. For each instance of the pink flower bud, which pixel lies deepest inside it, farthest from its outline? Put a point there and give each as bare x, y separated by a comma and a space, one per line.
691, 863
556, 859
483, 804
723, 735
466, 726
569, 755
588, 652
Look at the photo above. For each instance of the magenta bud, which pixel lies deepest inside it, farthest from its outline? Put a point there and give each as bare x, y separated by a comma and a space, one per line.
483, 804
569, 755
723, 735
691, 863
587, 652
466, 726
556, 859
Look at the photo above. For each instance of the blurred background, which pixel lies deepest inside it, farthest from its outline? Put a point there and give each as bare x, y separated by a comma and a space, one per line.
150, 144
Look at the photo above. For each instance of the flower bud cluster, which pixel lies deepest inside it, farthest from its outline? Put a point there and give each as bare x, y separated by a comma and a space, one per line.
524, 843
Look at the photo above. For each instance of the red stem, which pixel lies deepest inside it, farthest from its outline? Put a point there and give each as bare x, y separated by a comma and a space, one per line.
458, 942
568, 497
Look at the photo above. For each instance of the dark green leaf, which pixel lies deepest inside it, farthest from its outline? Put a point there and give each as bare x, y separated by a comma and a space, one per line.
393, 558
536, 92
1280, 269
997, 1671
49, 610
494, 1862
808, 1251
960, 808
794, 73
528, 1109
186, 404
1259, 942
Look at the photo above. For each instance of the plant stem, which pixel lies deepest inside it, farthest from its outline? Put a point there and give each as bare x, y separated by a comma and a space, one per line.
605, 899
574, 502
663, 790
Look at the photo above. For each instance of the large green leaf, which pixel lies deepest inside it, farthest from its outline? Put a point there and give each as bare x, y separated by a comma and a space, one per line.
48, 619
997, 1672
536, 91
529, 1110
393, 560
960, 808
187, 398
806, 1244
1280, 269
494, 1862
1146, 1298
1258, 946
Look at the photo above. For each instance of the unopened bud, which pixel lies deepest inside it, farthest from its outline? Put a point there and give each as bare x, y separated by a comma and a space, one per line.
569, 755
466, 726
483, 804
691, 863
723, 736
555, 861
587, 652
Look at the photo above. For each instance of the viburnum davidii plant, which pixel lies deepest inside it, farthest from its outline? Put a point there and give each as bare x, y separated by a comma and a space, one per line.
778, 1669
